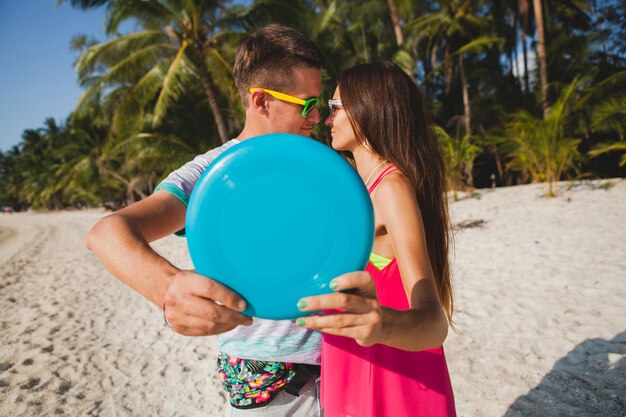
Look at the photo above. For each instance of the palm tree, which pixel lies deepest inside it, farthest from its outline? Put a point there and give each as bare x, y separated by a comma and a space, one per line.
610, 147
511, 19
523, 12
81, 172
544, 148
151, 81
610, 116
459, 153
139, 159
541, 55
397, 28
454, 31
182, 43
12, 178
38, 160
352, 33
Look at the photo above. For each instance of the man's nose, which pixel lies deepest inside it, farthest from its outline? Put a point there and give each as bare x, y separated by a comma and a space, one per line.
315, 116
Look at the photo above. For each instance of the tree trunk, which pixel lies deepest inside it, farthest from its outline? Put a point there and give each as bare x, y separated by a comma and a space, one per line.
466, 101
366, 56
513, 57
523, 14
541, 51
525, 53
449, 63
494, 151
131, 186
396, 22
598, 23
433, 57
215, 107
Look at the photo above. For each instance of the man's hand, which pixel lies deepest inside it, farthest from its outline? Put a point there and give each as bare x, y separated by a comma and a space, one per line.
195, 305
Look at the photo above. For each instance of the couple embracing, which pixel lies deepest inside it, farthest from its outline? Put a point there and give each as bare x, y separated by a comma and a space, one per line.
381, 353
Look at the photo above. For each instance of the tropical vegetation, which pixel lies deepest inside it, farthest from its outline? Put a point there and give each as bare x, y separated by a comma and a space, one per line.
521, 91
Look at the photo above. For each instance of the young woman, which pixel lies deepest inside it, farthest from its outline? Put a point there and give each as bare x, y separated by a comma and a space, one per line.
382, 351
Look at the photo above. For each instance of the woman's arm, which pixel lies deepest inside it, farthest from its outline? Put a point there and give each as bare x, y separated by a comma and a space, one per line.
364, 319
121, 241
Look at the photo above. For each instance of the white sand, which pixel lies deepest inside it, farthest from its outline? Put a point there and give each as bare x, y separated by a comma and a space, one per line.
541, 317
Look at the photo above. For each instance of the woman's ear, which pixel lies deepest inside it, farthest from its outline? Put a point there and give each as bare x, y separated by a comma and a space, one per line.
258, 101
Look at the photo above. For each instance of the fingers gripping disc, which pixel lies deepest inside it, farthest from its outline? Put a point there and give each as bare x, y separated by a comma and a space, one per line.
275, 218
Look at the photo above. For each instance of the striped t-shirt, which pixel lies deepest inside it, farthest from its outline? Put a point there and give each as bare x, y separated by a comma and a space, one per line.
266, 340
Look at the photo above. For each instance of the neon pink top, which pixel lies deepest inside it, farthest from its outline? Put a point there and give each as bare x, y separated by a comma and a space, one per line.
382, 381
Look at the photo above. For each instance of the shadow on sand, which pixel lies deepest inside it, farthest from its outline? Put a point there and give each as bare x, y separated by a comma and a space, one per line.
589, 382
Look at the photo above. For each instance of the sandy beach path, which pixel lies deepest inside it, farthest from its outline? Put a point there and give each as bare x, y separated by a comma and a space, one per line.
541, 298
541, 327
77, 342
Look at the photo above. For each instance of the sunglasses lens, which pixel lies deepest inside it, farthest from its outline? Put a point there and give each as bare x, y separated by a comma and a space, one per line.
308, 107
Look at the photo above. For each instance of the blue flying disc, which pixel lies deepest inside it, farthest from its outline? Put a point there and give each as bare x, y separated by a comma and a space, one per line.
275, 218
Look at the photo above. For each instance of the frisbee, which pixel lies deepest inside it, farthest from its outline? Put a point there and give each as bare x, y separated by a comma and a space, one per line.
276, 218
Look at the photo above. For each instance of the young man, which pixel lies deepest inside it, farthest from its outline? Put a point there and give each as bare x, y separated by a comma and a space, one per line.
277, 73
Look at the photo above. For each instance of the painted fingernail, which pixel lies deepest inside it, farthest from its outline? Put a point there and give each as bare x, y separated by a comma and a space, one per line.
302, 304
300, 322
333, 285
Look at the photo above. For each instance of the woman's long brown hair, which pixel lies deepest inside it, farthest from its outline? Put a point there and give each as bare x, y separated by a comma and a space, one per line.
388, 115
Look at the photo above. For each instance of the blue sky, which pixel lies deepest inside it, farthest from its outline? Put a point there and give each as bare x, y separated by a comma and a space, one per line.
37, 79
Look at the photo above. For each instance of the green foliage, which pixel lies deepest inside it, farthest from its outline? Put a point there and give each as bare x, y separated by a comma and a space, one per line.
610, 147
182, 46
159, 95
544, 149
610, 116
459, 153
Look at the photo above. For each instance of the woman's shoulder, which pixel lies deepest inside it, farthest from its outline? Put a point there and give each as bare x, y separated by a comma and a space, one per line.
395, 201
394, 191
394, 182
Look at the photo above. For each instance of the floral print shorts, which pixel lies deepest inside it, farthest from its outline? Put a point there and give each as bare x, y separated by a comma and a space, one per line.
251, 383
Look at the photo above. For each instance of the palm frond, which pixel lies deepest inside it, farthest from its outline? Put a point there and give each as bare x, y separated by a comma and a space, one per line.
108, 53
480, 44
328, 16
264, 12
603, 148
404, 60
147, 13
610, 115
130, 67
178, 72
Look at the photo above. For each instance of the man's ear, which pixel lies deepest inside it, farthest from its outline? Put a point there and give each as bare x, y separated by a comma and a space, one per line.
258, 101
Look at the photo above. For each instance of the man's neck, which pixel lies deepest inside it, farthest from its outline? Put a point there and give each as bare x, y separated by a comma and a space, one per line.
251, 130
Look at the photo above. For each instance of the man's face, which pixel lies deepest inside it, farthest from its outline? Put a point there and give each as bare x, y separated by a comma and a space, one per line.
287, 117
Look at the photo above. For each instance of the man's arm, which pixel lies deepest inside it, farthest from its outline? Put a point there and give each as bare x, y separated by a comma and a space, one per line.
121, 241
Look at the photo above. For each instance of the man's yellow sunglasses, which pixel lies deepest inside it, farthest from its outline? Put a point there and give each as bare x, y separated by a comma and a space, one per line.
309, 104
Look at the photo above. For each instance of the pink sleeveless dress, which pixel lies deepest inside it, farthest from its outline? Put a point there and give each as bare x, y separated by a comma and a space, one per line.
381, 381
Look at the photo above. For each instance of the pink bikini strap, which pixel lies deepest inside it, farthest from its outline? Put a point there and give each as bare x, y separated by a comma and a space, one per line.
386, 171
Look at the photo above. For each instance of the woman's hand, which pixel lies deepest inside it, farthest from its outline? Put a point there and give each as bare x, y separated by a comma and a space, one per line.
358, 313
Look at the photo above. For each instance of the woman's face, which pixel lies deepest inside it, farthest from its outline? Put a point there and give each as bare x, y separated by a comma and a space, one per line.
344, 138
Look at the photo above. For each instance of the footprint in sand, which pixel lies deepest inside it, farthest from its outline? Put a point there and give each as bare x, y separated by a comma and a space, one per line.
32, 383
5, 366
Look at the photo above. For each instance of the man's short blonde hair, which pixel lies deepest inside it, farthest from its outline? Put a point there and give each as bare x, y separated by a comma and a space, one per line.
268, 57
